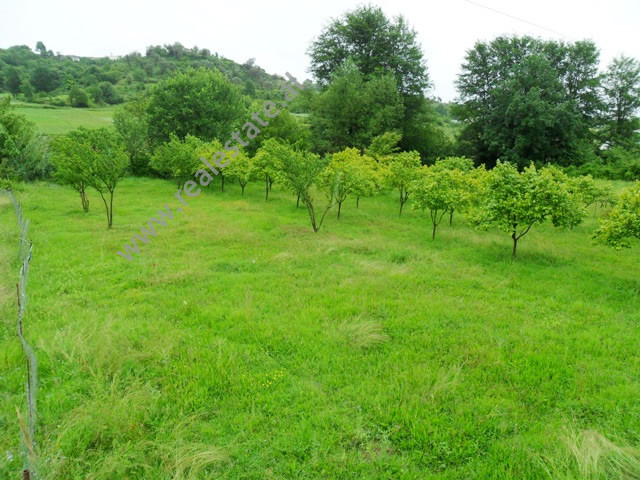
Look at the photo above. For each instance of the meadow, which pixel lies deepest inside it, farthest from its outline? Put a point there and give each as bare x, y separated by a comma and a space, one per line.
59, 120
239, 344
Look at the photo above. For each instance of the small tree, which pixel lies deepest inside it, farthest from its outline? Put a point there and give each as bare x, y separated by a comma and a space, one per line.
514, 202
131, 123
347, 173
241, 169
208, 150
107, 166
439, 191
460, 164
266, 162
70, 156
301, 170
623, 223
403, 171
177, 159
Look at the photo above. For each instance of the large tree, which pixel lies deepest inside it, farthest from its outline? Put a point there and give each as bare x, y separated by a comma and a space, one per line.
375, 44
377, 47
621, 86
200, 102
514, 202
526, 99
352, 110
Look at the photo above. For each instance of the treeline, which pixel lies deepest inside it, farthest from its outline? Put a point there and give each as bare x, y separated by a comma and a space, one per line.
42, 76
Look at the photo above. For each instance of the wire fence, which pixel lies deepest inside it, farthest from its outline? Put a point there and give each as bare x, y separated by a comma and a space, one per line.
28, 430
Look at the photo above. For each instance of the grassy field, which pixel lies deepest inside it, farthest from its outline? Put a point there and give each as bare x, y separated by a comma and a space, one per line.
240, 345
59, 120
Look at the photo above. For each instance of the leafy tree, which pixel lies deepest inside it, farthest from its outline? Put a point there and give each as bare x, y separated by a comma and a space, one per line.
403, 171
375, 44
384, 145
27, 90
589, 191
45, 79
70, 159
177, 159
195, 102
241, 169
623, 223
13, 81
130, 121
299, 171
525, 99
348, 172
107, 165
208, 150
462, 165
353, 110
41, 49
285, 127
78, 97
267, 159
23, 152
621, 85
439, 190
514, 202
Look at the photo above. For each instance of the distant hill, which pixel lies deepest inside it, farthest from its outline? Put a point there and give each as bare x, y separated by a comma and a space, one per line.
42, 76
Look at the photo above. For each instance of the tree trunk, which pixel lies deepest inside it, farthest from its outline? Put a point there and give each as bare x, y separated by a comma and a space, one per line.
298, 201
85, 200
339, 208
515, 244
433, 234
401, 205
266, 187
111, 209
451, 218
242, 186
222, 181
358, 202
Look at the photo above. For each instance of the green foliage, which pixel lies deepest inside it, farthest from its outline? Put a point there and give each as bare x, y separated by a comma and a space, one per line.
462, 164
126, 77
200, 102
12, 80
384, 145
95, 158
525, 99
267, 161
621, 86
45, 79
130, 121
348, 173
286, 127
375, 45
439, 190
514, 202
623, 223
179, 159
402, 171
23, 152
78, 98
241, 168
352, 111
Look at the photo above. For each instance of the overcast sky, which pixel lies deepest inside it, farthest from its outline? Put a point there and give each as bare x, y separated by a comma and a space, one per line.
277, 33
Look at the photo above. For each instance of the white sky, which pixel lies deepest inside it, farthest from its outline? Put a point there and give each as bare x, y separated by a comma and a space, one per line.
277, 33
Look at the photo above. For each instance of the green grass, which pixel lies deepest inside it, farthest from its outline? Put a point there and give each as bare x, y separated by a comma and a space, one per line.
240, 345
60, 120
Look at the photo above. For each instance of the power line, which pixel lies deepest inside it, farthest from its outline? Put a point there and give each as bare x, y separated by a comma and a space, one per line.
519, 19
